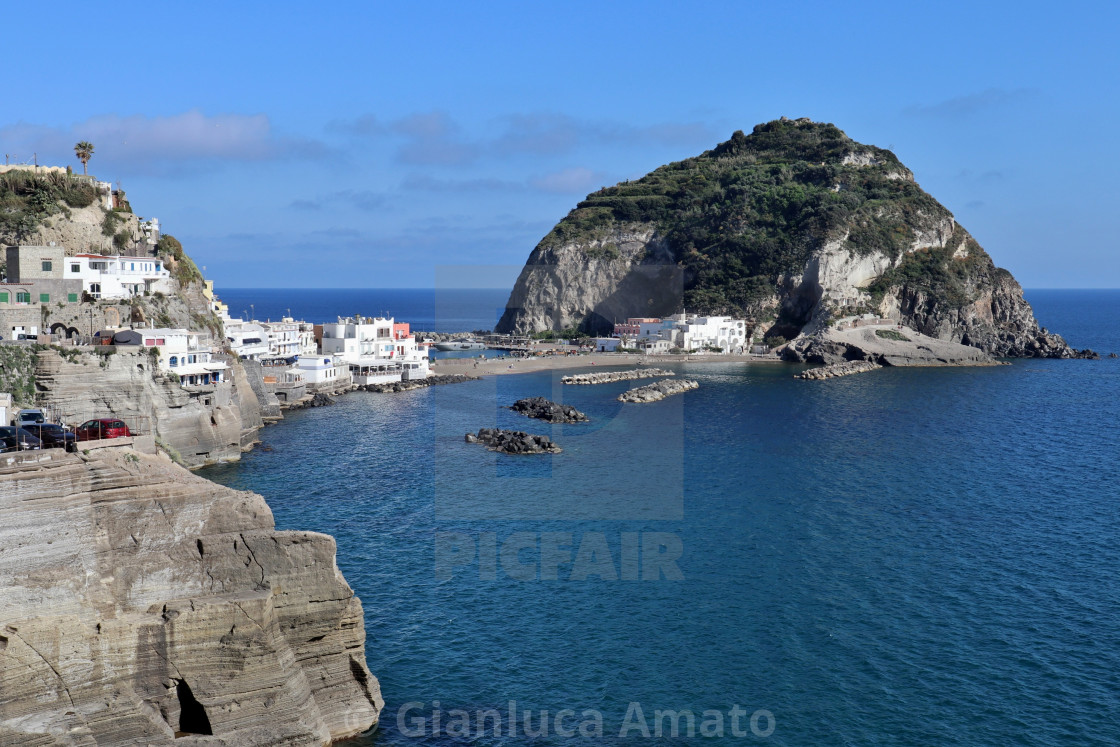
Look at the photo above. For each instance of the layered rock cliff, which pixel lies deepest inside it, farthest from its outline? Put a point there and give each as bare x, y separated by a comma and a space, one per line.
143, 605
792, 226
200, 426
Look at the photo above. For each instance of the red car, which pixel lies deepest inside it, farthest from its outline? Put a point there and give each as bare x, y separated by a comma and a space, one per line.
93, 430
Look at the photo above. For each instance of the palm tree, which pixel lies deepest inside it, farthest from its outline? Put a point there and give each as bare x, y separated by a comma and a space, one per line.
84, 150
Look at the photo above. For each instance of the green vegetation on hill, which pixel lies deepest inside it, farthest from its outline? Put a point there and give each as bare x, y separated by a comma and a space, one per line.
740, 215
27, 199
182, 267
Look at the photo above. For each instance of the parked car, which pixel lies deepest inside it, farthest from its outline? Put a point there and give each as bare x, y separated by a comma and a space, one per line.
8, 443
53, 436
92, 430
29, 416
25, 440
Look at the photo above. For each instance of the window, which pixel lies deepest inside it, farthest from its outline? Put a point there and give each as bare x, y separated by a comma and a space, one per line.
75, 268
132, 266
72, 297
47, 266
23, 297
3, 296
44, 298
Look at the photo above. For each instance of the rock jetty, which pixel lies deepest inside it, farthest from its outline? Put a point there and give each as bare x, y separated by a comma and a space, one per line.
543, 409
408, 386
606, 377
141, 604
658, 390
837, 369
513, 442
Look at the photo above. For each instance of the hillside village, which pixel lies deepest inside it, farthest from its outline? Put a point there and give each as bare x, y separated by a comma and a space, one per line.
104, 316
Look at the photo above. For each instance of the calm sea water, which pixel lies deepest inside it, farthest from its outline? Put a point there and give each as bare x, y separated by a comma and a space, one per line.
904, 557
439, 310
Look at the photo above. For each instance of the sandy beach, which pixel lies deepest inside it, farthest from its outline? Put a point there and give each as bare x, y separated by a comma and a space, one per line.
499, 366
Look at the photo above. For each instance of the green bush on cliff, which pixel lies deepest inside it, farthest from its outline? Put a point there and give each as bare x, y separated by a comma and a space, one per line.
28, 198
182, 267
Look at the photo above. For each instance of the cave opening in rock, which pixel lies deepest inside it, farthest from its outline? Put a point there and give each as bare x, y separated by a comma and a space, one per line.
192, 714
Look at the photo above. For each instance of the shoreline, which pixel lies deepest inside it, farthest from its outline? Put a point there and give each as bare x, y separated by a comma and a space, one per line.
506, 366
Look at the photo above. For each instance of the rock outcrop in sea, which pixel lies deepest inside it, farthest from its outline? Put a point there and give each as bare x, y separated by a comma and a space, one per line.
608, 377
836, 370
791, 227
513, 442
411, 384
552, 412
658, 390
141, 604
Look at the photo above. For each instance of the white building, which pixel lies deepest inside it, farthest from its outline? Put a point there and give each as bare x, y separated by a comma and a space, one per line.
114, 276
180, 353
247, 340
283, 338
322, 371
150, 230
692, 334
378, 350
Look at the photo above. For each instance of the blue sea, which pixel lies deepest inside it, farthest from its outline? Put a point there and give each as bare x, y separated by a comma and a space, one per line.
906, 557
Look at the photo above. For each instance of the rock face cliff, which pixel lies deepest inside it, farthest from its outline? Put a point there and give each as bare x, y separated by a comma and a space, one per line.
143, 605
791, 227
198, 427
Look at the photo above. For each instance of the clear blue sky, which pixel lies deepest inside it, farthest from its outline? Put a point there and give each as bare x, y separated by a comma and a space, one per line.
376, 144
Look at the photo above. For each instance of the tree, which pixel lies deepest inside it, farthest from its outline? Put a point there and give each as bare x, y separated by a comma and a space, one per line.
84, 151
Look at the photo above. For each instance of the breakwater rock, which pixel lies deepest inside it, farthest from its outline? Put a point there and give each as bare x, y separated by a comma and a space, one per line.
606, 377
319, 399
658, 390
140, 603
408, 386
543, 409
513, 442
837, 369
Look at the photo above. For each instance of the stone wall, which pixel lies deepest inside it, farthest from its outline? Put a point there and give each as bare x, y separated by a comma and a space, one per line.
139, 603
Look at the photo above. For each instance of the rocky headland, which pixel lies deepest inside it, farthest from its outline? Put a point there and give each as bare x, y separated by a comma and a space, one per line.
658, 390
791, 227
144, 605
607, 377
512, 442
547, 410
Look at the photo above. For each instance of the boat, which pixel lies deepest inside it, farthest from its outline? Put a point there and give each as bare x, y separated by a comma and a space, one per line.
453, 345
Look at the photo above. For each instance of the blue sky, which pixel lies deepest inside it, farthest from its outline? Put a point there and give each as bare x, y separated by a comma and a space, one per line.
370, 144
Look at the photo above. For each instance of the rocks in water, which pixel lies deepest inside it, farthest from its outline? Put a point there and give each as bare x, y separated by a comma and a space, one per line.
606, 377
543, 409
408, 386
319, 399
837, 369
513, 442
658, 390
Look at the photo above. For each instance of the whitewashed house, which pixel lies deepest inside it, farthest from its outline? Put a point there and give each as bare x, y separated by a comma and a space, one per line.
115, 276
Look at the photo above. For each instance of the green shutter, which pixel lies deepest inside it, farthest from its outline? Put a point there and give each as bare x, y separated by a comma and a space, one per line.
23, 297
72, 297
44, 298
3, 296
